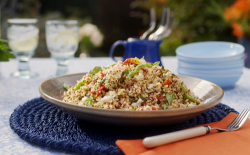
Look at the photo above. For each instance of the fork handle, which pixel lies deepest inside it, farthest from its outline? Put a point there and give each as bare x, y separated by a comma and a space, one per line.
150, 142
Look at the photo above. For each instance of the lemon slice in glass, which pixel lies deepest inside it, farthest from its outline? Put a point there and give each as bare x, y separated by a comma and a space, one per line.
69, 37
25, 45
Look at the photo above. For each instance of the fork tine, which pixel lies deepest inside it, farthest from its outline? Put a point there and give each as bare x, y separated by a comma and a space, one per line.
245, 118
152, 24
239, 120
241, 114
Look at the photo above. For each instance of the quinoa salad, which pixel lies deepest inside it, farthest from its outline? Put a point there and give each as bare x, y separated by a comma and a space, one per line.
131, 85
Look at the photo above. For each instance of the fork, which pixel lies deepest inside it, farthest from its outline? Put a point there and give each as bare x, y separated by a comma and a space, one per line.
150, 142
163, 24
152, 24
167, 31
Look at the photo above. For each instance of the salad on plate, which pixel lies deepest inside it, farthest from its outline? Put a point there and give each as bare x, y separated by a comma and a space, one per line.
131, 85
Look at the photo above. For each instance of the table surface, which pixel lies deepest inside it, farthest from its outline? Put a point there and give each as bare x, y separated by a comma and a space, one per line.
14, 92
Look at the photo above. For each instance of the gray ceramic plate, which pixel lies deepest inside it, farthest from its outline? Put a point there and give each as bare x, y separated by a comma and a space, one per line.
209, 92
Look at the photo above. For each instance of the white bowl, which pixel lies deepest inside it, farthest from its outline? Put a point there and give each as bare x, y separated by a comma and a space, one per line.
210, 51
224, 81
223, 72
212, 66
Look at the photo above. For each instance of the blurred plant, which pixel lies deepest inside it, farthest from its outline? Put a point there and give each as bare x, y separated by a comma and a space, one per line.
195, 20
238, 15
5, 52
90, 37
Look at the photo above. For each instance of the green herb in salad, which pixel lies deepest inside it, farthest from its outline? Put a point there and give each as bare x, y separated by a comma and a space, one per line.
164, 71
80, 84
66, 86
137, 69
89, 101
126, 72
165, 106
187, 96
156, 63
95, 70
103, 80
143, 98
170, 97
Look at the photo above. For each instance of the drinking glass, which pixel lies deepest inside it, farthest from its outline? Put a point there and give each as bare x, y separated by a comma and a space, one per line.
23, 40
62, 42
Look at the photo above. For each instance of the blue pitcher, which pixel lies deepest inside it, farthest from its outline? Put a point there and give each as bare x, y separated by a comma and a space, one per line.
149, 49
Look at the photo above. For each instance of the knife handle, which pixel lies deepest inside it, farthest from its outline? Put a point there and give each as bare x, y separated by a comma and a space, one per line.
150, 142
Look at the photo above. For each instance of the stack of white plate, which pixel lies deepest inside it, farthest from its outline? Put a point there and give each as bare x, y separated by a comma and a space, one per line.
219, 62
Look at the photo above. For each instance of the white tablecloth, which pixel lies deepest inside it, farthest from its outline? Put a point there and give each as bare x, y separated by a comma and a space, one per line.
14, 92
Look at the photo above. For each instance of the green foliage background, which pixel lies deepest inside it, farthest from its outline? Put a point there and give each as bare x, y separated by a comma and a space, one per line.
195, 20
5, 52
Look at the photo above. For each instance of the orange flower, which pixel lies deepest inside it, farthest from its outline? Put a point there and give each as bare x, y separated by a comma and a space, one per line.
232, 13
242, 5
238, 15
237, 29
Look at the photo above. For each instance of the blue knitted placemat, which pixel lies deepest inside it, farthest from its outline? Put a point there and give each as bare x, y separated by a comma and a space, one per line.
40, 122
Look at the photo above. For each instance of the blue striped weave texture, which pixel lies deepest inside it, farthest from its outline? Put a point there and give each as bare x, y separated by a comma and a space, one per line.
38, 121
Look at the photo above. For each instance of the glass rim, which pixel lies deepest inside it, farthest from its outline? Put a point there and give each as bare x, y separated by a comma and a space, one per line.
61, 22
22, 21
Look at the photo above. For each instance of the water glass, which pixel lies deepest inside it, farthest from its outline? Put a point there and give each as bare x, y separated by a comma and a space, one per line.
62, 42
23, 40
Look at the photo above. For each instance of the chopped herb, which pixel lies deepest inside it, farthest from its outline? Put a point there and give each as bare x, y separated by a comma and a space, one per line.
91, 72
165, 106
80, 84
156, 63
173, 74
137, 69
103, 80
164, 71
66, 86
143, 82
126, 72
170, 97
187, 96
95, 70
113, 86
143, 98
89, 101
164, 76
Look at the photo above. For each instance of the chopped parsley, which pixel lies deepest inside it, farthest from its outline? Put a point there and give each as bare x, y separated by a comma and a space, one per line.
170, 97
66, 86
89, 101
80, 84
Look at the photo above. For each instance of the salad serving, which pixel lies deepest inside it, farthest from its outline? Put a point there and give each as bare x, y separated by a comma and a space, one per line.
131, 85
